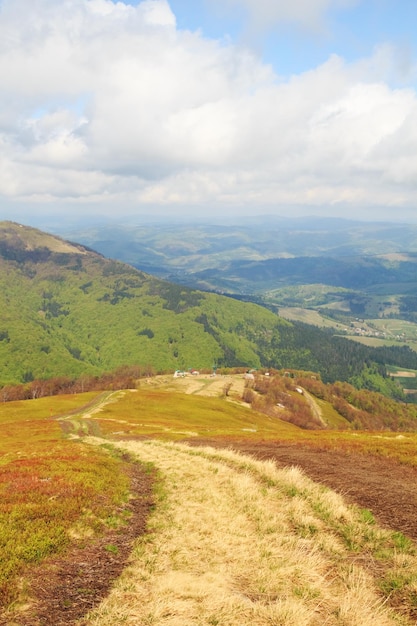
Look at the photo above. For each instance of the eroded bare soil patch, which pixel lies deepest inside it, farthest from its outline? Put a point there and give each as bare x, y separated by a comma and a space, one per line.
381, 485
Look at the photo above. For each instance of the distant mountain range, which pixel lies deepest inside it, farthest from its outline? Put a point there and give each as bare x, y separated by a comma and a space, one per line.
67, 310
365, 268
188, 247
353, 273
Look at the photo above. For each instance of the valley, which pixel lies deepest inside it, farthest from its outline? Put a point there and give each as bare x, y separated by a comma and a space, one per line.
69, 312
325, 272
371, 332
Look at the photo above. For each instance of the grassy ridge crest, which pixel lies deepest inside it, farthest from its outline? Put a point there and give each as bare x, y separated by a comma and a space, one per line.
217, 513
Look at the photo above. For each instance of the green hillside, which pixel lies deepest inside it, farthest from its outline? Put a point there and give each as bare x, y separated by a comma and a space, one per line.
68, 311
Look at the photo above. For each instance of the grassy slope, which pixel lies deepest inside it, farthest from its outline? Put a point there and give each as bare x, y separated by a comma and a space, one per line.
233, 540
151, 412
49, 487
236, 541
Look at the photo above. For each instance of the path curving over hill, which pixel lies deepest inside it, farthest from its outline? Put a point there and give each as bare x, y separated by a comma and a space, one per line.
215, 570
232, 542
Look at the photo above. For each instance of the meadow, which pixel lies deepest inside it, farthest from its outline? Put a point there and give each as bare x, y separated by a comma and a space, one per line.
236, 541
51, 487
231, 540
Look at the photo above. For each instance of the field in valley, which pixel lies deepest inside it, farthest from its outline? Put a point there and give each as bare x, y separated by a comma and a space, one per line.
250, 520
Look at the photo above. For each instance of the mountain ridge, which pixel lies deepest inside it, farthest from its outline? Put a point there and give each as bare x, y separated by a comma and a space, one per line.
75, 312
68, 310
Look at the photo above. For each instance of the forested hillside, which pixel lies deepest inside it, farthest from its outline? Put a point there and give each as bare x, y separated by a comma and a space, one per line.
66, 310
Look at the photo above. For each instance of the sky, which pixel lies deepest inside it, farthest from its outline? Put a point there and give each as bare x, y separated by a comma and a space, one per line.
208, 108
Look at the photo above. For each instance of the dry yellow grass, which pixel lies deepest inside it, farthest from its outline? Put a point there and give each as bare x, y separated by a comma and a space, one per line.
234, 541
206, 385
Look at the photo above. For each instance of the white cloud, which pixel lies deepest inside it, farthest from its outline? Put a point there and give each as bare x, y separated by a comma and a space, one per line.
159, 13
111, 104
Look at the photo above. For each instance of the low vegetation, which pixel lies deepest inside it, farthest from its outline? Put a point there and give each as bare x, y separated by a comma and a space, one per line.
175, 409
289, 394
231, 540
51, 489
235, 540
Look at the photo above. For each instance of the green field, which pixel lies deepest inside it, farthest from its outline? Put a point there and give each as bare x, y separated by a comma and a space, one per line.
374, 332
402, 330
309, 316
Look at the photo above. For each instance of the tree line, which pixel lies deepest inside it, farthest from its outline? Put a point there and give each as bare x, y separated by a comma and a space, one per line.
124, 377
